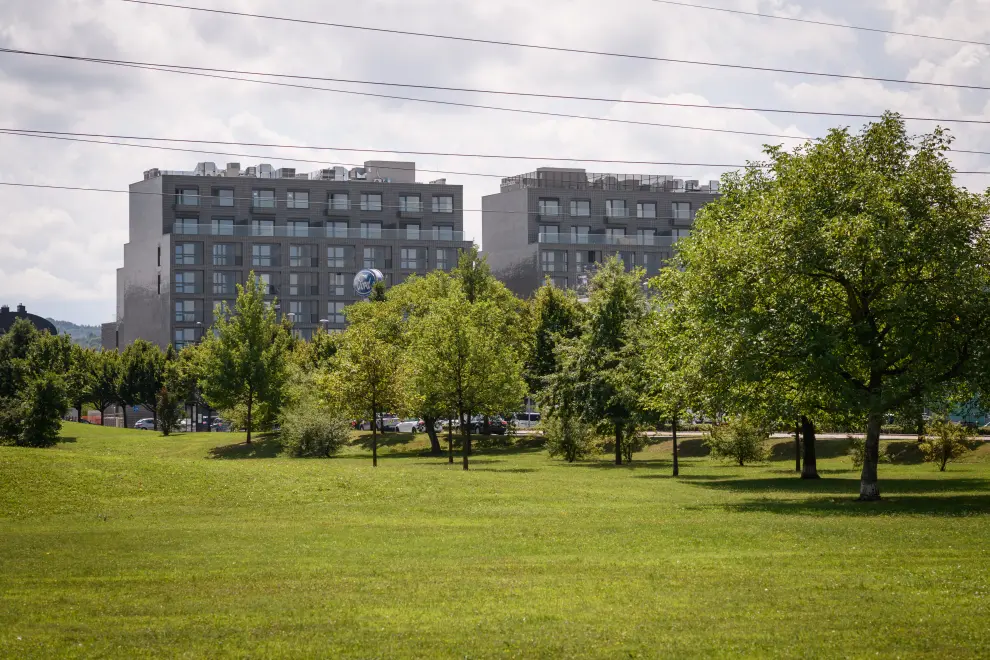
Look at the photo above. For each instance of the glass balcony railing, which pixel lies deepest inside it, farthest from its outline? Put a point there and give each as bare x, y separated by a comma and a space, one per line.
604, 239
206, 229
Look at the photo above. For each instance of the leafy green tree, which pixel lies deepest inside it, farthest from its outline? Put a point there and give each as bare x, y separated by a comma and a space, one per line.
141, 377
106, 381
81, 379
598, 371
169, 406
568, 437
556, 315
852, 267
42, 406
244, 359
742, 440
33, 398
946, 441
368, 372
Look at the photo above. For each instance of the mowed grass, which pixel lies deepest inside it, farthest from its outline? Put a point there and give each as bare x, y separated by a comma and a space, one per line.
123, 543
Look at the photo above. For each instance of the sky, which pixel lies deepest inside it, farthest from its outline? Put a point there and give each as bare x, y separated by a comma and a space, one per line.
59, 250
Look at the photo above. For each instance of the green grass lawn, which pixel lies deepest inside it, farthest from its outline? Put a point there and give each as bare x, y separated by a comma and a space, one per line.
123, 543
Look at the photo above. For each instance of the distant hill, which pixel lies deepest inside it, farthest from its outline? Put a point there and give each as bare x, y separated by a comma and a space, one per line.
84, 335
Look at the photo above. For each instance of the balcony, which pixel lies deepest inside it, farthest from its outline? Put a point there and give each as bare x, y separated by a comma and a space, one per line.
207, 229
604, 239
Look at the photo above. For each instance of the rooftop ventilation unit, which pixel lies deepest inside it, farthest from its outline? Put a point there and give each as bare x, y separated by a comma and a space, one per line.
691, 185
439, 182
266, 171
251, 171
678, 184
206, 169
359, 173
233, 169
713, 186
153, 173
285, 173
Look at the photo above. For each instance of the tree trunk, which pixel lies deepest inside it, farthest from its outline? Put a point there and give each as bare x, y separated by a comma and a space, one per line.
374, 437
618, 444
250, 404
810, 470
921, 427
431, 430
797, 446
869, 490
103, 416
466, 433
123, 412
450, 441
673, 426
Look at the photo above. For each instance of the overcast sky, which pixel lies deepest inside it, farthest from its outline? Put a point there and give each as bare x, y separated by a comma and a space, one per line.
59, 250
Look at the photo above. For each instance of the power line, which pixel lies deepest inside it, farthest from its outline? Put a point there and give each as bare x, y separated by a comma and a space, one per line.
560, 49
809, 21
169, 68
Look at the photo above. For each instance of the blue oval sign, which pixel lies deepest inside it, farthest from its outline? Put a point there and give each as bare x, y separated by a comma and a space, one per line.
365, 281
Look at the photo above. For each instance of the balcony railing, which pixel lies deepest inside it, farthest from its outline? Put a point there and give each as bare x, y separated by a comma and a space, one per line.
604, 239
206, 229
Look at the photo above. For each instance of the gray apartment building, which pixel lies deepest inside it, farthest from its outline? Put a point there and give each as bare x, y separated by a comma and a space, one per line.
195, 235
560, 222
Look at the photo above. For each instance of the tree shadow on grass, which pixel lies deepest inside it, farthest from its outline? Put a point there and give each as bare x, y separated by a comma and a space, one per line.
842, 486
63, 440
263, 447
511, 470
891, 505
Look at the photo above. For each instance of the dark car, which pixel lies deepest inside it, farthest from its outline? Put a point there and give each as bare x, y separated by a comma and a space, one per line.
489, 425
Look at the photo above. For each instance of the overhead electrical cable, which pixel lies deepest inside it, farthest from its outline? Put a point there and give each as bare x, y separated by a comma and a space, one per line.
561, 49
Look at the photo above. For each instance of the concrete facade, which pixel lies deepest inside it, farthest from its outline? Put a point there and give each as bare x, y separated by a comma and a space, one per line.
560, 222
195, 235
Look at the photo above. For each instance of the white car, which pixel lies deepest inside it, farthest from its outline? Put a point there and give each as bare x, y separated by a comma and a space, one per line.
147, 424
524, 420
408, 425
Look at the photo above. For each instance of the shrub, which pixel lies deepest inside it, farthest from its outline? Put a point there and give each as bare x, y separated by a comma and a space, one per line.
169, 411
857, 449
568, 438
42, 406
741, 440
310, 431
633, 442
946, 442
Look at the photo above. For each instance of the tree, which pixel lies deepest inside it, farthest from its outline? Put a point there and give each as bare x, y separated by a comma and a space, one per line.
33, 399
742, 440
244, 358
461, 357
367, 375
169, 406
42, 406
852, 268
106, 381
81, 378
946, 441
598, 372
556, 315
568, 437
141, 375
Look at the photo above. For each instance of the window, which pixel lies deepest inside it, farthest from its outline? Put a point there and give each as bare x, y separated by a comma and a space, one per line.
579, 234
445, 258
338, 284
298, 228
412, 232
553, 261
297, 200
409, 258
186, 312
681, 210
374, 257
264, 255
303, 256
187, 225
306, 334
580, 208
646, 236
335, 313
651, 262
615, 235
549, 234
371, 202
646, 210
262, 227
187, 196
371, 230
628, 260
559, 281
223, 283
549, 207
445, 232
410, 204
185, 254
584, 260
304, 284
302, 311
337, 229
336, 257
184, 337
616, 208
223, 255
341, 202
265, 279
681, 233
225, 197
263, 199
222, 227
186, 282
443, 204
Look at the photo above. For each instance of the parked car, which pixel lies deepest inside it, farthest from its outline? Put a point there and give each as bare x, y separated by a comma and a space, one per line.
389, 424
438, 426
489, 426
408, 425
146, 424
524, 420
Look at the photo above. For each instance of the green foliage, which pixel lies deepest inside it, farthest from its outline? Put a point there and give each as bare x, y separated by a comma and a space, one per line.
556, 315
170, 412
568, 437
857, 452
142, 373
80, 381
106, 379
946, 441
742, 440
42, 406
312, 431
33, 396
244, 360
